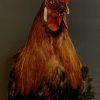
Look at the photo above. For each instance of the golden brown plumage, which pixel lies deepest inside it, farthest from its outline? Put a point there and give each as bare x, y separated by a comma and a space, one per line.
40, 56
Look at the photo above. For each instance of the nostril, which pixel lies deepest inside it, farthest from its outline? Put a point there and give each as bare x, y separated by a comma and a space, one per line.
60, 10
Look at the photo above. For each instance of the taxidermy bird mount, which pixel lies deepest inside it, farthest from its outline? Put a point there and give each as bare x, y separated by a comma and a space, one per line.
48, 67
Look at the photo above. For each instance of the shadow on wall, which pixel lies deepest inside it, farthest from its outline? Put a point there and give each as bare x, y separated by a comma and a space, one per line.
4, 73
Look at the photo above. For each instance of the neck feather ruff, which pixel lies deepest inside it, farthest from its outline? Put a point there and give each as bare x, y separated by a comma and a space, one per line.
41, 55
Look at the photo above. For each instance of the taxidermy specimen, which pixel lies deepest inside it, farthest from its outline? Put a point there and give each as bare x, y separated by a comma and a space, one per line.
48, 67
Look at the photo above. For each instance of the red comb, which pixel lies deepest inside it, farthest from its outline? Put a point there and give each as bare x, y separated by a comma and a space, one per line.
64, 1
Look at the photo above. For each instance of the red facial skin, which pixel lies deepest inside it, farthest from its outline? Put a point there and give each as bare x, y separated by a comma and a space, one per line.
55, 18
54, 21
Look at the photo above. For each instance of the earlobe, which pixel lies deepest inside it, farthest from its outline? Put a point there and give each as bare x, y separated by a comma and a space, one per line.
45, 14
68, 10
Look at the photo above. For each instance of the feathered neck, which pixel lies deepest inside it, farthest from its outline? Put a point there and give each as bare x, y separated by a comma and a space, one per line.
41, 55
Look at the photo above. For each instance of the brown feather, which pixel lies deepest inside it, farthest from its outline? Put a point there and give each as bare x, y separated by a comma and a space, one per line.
41, 54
